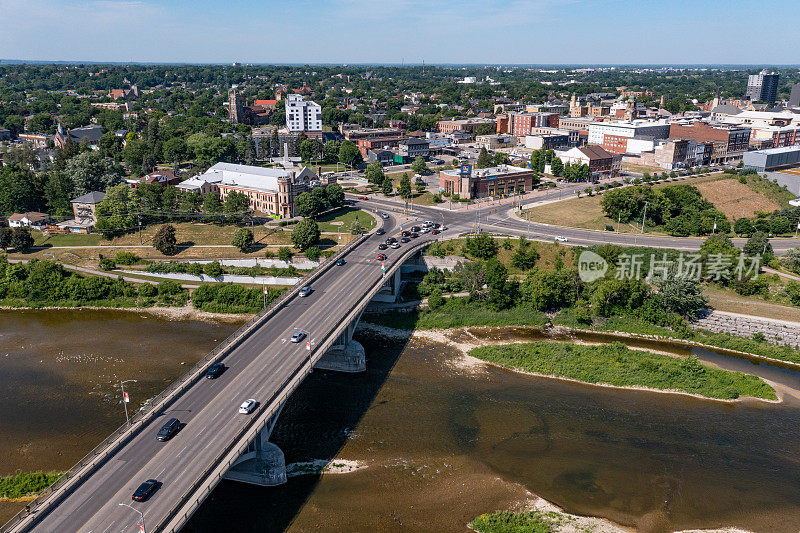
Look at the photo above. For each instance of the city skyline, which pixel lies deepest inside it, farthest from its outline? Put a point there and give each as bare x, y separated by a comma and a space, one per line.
526, 32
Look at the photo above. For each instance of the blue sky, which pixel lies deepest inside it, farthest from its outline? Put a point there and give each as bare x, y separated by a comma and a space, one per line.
380, 31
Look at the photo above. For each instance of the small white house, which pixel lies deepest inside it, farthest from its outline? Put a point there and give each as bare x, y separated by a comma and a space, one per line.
31, 219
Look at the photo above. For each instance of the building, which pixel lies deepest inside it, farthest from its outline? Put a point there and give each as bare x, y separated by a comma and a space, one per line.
124, 94
378, 143
271, 191
763, 87
161, 177
37, 140
410, 149
470, 125
520, 124
302, 116
384, 157
794, 97
493, 142
502, 180
31, 219
547, 141
669, 154
87, 134
601, 163
729, 140
83, 208
618, 131
772, 159
354, 134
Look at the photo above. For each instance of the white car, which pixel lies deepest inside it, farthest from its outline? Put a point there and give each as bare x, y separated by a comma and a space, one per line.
561, 238
247, 406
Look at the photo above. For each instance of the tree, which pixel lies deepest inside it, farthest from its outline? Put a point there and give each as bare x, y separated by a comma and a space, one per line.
5, 238
243, 239
743, 226
284, 254
404, 188
310, 204
387, 187
484, 161
118, 211
435, 300
313, 253
213, 269
349, 154
212, 205
556, 167
470, 275
19, 190
758, 244
305, 234
165, 241
419, 166
335, 194
175, 150
356, 228
482, 246
680, 295
237, 203
21, 240
791, 259
374, 173
89, 172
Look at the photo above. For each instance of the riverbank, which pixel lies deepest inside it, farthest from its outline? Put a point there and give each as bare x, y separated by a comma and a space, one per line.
465, 341
24, 486
168, 313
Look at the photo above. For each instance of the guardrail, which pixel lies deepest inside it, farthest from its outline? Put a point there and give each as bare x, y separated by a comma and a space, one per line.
194, 497
71, 479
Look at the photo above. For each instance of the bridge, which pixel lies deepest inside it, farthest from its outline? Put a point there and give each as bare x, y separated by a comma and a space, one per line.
216, 442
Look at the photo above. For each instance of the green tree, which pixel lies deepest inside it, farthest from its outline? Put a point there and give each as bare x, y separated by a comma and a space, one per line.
118, 211
374, 173
212, 204
387, 187
165, 241
305, 234
237, 203
335, 194
680, 295
556, 167
404, 188
5, 239
284, 254
310, 204
20, 190
213, 269
484, 161
743, 226
89, 172
243, 239
419, 166
481, 246
21, 240
176, 150
435, 300
349, 154
758, 244
313, 253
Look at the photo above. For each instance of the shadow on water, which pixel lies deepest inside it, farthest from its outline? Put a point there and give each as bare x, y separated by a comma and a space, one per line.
315, 424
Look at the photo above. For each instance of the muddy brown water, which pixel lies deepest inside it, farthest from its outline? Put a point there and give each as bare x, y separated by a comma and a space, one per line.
441, 442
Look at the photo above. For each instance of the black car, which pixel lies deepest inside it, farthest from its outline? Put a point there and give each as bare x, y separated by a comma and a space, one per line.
215, 370
405, 240
390, 240
380, 231
339, 262
415, 228
405, 233
436, 232
145, 490
169, 429
414, 235
382, 246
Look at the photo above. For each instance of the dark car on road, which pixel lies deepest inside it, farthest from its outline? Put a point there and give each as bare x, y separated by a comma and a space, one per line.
414, 235
380, 231
415, 228
168, 430
381, 257
339, 262
145, 490
405, 240
405, 233
382, 246
215, 370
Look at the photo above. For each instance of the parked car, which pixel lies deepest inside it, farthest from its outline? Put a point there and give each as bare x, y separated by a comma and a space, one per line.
298, 336
145, 490
215, 370
305, 291
381, 257
168, 430
248, 406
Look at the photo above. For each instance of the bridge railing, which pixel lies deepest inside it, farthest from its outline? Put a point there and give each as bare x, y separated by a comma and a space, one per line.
203, 486
72, 478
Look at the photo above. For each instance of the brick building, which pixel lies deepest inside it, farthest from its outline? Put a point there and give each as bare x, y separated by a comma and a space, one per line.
485, 182
729, 141
602, 163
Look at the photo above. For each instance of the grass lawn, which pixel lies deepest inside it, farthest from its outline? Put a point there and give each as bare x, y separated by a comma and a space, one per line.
24, 484
69, 239
728, 300
735, 199
527, 522
343, 219
204, 233
770, 190
641, 169
616, 364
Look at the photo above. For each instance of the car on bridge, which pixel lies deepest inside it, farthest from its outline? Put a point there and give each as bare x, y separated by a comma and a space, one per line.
381, 257
339, 262
298, 336
305, 291
215, 370
395, 245
168, 430
248, 406
405, 240
145, 490
382, 246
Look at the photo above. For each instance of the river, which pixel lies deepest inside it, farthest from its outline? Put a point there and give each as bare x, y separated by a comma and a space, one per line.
441, 441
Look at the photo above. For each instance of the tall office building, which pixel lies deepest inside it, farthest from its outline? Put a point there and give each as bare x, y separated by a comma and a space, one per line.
302, 115
763, 86
794, 98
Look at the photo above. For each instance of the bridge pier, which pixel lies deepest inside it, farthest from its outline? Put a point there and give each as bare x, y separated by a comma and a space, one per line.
263, 463
346, 354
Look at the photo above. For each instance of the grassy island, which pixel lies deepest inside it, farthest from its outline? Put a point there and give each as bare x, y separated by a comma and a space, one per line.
527, 522
26, 484
616, 364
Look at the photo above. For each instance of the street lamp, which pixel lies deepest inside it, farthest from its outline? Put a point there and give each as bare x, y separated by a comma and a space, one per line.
125, 398
141, 516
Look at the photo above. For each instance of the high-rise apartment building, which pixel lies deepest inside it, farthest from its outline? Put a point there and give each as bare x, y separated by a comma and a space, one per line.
302, 115
763, 86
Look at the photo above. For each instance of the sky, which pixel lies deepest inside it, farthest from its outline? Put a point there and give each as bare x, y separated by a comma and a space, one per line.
410, 31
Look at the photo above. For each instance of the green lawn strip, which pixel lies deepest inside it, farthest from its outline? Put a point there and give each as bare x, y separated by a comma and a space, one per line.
616, 364
455, 314
24, 484
346, 216
527, 522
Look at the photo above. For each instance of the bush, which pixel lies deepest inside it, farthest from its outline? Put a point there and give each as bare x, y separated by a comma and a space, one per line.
146, 290
126, 258
435, 300
107, 264
213, 269
285, 254
269, 254
169, 287
243, 239
313, 253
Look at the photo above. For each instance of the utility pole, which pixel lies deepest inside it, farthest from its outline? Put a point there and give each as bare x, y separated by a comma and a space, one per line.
141, 516
644, 213
125, 398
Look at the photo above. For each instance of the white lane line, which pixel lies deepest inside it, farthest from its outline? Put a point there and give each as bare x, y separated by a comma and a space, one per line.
181, 452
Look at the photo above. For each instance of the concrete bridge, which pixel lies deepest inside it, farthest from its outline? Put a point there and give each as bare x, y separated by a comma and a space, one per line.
216, 441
